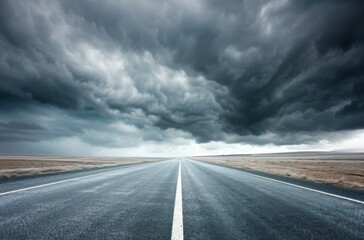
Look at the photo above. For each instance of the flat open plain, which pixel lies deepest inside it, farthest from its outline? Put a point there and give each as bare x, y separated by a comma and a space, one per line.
28, 165
338, 169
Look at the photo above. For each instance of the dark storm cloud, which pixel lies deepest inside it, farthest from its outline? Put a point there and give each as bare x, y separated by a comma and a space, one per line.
213, 71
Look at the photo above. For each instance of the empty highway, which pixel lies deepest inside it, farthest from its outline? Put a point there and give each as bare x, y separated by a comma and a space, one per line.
176, 199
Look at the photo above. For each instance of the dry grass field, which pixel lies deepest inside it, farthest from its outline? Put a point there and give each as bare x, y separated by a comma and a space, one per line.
342, 170
26, 165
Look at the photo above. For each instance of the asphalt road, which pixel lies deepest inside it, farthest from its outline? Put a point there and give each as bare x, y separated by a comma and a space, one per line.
141, 202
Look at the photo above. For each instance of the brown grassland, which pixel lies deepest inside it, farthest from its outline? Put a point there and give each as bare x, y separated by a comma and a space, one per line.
342, 170
27, 165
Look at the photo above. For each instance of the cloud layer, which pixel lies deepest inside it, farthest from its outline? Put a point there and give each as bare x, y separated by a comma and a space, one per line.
123, 73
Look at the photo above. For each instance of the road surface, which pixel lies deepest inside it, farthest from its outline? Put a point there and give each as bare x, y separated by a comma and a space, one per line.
176, 199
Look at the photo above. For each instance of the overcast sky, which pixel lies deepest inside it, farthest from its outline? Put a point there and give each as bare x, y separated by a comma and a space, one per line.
181, 77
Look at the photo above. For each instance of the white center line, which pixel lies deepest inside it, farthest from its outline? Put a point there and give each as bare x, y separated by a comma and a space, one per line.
177, 227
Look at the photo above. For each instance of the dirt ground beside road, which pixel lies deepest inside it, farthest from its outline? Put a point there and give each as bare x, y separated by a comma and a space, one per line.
27, 165
342, 170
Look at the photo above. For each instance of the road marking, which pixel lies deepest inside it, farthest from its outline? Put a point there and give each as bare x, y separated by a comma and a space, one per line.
298, 186
58, 182
309, 189
177, 227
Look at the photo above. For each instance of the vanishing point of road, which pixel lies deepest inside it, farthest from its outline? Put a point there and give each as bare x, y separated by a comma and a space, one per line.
176, 199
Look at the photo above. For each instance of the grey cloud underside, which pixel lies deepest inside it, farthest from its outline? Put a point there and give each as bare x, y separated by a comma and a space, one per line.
233, 71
